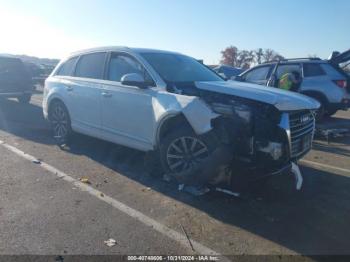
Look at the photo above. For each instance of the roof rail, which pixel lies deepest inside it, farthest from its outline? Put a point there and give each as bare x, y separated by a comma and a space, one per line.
294, 59
301, 58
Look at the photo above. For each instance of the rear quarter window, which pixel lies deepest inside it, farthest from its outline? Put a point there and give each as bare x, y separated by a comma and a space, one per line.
311, 70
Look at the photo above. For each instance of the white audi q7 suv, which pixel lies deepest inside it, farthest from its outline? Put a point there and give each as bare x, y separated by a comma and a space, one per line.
200, 127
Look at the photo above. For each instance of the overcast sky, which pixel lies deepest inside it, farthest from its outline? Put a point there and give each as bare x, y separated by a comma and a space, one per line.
199, 28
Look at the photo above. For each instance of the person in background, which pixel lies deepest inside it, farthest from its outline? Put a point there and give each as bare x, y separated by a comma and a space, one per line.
290, 81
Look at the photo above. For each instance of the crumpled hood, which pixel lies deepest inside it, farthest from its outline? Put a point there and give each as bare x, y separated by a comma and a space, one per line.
281, 99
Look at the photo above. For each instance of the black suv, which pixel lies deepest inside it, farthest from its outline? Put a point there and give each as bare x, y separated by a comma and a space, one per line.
15, 81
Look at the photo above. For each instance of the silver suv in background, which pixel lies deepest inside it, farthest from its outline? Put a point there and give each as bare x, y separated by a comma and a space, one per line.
324, 80
197, 125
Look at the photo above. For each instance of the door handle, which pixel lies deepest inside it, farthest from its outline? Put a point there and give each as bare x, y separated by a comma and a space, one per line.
69, 88
106, 94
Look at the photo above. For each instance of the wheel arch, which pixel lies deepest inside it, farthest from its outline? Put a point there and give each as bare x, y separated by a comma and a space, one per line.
168, 123
316, 95
51, 102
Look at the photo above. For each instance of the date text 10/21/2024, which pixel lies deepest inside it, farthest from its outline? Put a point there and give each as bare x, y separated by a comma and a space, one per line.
173, 258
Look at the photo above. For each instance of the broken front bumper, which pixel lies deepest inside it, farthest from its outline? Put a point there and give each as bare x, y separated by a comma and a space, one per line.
243, 181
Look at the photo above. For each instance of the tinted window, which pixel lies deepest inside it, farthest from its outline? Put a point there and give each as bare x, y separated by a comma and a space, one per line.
176, 68
67, 68
121, 65
284, 69
313, 70
91, 66
257, 74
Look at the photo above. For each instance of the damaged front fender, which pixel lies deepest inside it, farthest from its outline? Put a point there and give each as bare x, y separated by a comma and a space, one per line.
198, 114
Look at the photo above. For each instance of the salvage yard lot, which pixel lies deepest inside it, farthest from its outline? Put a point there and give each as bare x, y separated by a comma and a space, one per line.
43, 214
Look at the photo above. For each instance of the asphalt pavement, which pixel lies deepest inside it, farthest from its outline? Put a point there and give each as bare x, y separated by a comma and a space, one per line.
44, 209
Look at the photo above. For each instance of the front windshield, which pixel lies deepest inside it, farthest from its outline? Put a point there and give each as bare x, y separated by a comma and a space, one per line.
176, 68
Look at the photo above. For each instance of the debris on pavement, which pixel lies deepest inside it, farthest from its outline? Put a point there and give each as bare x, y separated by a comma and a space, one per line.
332, 133
166, 178
85, 180
110, 242
102, 195
188, 238
196, 190
297, 175
226, 191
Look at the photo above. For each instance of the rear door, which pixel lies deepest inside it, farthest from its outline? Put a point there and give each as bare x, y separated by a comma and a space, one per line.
84, 92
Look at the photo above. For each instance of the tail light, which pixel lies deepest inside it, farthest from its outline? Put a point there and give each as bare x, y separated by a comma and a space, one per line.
340, 83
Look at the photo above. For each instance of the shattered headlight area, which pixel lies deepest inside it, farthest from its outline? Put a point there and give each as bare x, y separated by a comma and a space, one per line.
244, 112
251, 145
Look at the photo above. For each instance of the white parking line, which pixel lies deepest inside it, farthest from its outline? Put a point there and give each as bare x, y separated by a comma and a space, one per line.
174, 235
325, 166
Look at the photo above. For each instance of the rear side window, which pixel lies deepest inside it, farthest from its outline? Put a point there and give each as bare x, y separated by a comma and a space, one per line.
257, 74
313, 70
67, 68
91, 66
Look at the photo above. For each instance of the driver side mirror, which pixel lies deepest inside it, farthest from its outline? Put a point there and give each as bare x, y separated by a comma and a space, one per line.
134, 79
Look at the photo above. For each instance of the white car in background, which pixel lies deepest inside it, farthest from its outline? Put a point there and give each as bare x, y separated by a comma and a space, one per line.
172, 105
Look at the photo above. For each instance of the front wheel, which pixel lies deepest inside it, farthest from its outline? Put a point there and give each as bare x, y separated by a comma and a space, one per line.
60, 122
182, 150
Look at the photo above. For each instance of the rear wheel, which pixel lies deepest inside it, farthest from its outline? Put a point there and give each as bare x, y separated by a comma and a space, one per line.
24, 99
60, 122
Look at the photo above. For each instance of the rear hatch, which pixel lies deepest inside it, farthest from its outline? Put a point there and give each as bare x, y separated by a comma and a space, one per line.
342, 63
13, 76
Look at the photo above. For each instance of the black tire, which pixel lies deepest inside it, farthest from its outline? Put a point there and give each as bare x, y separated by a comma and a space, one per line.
60, 122
331, 112
198, 148
321, 112
24, 99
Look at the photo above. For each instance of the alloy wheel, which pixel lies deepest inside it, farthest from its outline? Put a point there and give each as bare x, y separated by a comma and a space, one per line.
184, 152
60, 122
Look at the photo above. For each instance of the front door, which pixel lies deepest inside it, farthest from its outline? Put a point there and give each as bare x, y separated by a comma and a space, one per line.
127, 111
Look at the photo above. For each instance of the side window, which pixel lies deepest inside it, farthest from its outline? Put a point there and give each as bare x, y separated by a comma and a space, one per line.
121, 64
91, 66
258, 74
67, 68
284, 69
313, 70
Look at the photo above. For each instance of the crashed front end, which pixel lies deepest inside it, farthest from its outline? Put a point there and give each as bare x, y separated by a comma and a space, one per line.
263, 140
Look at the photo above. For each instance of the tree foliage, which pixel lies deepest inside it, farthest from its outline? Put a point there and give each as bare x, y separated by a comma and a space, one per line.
246, 58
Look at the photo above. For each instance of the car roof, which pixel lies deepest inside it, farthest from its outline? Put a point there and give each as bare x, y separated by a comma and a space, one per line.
119, 49
294, 61
9, 58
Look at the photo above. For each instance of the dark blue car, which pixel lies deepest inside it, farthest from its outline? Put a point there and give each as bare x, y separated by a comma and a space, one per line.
227, 71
